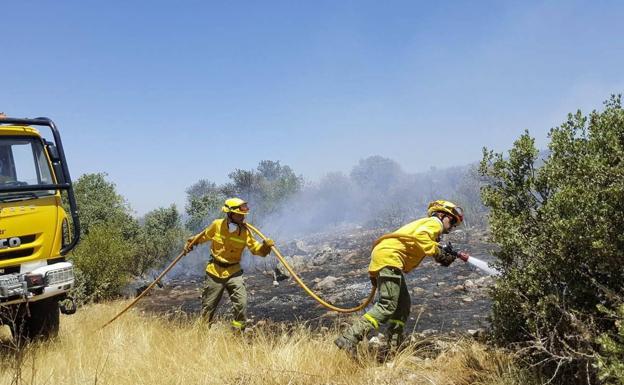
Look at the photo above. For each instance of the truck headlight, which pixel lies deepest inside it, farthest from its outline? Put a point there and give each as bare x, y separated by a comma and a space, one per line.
59, 276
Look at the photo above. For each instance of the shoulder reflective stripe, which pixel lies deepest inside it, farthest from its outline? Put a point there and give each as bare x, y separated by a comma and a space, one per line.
372, 320
237, 240
397, 322
238, 325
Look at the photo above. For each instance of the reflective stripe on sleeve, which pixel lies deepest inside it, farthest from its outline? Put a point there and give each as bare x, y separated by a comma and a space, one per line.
372, 320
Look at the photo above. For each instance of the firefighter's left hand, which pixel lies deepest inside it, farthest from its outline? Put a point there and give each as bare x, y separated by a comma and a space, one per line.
445, 259
447, 248
268, 242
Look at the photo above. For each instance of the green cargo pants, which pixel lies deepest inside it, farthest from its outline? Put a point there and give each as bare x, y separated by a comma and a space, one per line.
213, 291
392, 308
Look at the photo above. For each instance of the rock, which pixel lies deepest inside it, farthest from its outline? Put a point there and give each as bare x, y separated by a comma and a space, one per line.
418, 290
303, 247
429, 332
323, 257
469, 284
459, 288
296, 262
440, 283
374, 341
476, 333
436, 294
484, 281
467, 299
326, 283
330, 314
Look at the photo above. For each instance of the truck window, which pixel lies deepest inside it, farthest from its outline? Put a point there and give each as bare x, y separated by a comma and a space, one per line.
23, 163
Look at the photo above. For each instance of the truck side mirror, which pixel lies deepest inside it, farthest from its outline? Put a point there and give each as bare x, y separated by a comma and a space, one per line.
56, 162
52, 152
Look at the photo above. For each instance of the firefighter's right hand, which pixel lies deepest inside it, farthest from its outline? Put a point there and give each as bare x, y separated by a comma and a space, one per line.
188, 246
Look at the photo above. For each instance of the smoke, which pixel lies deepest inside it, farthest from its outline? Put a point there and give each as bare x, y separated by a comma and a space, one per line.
376, 193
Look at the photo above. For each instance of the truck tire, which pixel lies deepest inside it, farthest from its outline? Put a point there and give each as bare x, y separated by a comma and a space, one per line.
43, 322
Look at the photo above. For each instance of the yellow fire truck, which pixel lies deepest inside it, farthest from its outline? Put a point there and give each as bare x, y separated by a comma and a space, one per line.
35, 231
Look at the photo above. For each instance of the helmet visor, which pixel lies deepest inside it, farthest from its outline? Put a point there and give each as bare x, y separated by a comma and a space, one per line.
458, 214
242, 208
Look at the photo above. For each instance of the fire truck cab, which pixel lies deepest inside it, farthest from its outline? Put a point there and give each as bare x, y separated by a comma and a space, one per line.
35, 228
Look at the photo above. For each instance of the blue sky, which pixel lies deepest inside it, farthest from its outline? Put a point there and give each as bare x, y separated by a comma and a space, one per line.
159, 94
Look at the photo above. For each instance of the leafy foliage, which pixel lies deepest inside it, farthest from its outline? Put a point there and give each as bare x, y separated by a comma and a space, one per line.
204, 200
560, 228
99, 203
611, 360
103, 259
265, 188
114, 247
161, 237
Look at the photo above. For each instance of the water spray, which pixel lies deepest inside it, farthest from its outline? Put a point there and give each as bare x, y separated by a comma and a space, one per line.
478, 263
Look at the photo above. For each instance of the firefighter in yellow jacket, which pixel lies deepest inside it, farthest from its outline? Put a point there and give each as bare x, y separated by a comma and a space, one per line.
393, 255
229, 236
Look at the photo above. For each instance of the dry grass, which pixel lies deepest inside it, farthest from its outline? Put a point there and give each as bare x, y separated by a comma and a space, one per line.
142, 350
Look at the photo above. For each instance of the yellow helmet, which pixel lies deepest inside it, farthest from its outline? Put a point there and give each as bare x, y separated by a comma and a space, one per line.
235, 205
447, 208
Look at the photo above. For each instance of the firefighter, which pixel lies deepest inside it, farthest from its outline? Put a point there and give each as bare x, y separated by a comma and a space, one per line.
228, 237
394, 255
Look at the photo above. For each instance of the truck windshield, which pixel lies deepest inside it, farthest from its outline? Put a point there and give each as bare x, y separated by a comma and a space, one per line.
23, 163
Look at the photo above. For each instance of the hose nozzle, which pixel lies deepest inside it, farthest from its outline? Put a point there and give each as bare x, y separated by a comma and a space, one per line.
463, 256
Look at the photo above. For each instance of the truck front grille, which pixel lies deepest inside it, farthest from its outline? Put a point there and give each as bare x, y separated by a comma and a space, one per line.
16, 253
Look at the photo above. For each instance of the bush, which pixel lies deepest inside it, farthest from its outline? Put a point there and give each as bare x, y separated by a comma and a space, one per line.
103, 260
560, 228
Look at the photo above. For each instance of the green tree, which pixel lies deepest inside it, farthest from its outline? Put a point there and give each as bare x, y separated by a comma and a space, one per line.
105, 254
264, 188
99, 203
203, 204
377, 173
560, 229
160, 238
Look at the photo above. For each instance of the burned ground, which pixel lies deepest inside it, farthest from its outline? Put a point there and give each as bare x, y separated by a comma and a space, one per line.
452, 299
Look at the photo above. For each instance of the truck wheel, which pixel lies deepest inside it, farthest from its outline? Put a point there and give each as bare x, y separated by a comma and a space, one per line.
43, 322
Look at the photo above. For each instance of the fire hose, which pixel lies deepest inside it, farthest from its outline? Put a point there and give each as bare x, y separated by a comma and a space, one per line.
279, 257
306, 288
462, 255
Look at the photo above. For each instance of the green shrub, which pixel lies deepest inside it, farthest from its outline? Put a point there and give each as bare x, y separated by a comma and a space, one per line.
103, 259
560, 228
611, 359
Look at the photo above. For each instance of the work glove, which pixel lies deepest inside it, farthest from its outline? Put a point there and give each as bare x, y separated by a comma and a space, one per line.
445, 259
447, 248
447, 255
188, 246
268, 243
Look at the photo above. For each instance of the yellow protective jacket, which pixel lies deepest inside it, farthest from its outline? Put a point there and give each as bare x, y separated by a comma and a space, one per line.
422, 237
227, 248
